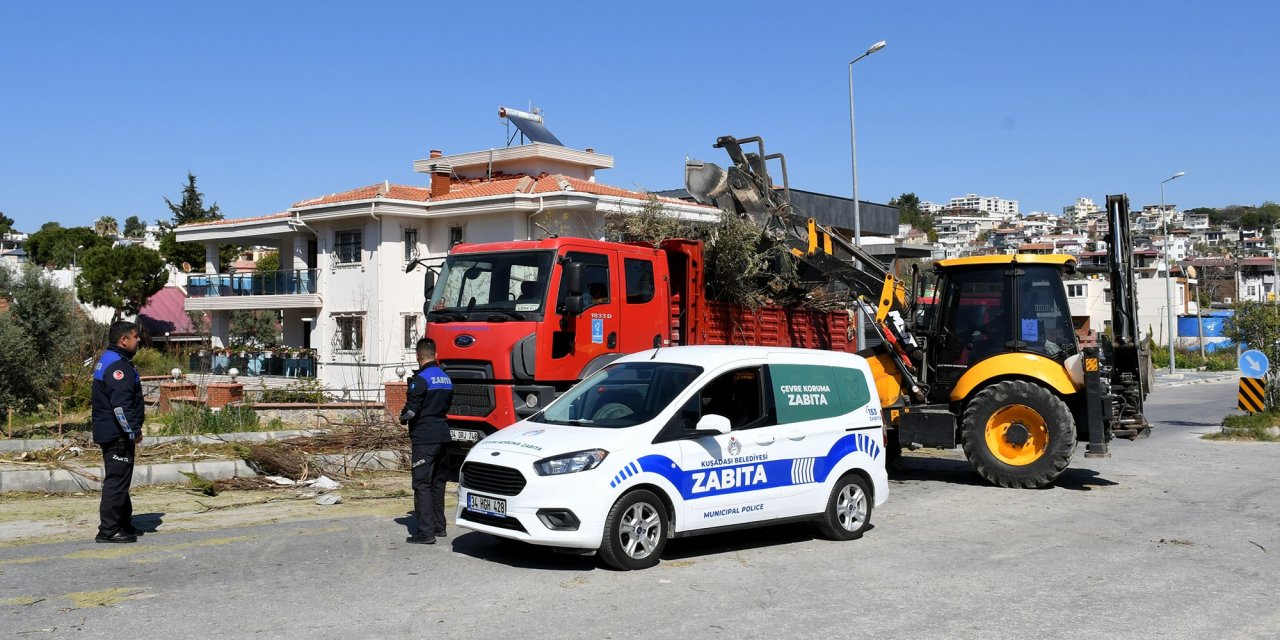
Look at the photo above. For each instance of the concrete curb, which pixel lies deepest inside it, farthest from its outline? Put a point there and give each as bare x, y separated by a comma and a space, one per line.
1225, 377
17, 445
64, 481
1241, 431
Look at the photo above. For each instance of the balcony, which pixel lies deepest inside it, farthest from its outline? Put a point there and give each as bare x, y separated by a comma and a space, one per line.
287, 289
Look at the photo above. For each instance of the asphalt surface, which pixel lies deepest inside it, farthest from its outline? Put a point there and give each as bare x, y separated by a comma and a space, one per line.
1172, 537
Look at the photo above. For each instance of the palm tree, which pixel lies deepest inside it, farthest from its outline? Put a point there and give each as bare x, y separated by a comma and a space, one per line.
106, 226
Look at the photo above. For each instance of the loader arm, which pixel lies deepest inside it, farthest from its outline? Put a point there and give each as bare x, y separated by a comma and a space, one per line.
746, 189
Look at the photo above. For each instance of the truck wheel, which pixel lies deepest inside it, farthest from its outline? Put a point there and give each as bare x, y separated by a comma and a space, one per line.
848, 511
1018, 434
635, 532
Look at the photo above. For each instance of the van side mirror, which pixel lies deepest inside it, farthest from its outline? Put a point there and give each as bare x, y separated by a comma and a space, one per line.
713, 423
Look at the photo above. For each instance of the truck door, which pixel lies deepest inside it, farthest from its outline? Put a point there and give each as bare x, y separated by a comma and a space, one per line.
647, 313
973, 322
596, 329
728, 478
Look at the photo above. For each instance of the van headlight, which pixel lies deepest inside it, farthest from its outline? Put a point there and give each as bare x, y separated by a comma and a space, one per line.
570, 462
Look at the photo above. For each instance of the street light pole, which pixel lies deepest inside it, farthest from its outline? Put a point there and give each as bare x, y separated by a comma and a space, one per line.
74, 293
853, 153
1168, 273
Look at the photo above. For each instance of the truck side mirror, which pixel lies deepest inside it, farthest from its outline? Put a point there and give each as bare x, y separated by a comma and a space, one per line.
573, 304
573, 275
428, 284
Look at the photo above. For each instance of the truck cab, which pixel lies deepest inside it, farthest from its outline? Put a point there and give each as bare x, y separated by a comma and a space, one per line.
594, 300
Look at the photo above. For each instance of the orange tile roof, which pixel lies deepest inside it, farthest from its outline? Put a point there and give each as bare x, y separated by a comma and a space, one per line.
286, 214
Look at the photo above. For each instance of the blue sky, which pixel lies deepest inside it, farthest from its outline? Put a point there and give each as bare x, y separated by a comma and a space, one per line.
104, 107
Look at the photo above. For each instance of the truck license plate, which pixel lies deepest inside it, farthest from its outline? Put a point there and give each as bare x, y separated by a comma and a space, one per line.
485, 504
464, 435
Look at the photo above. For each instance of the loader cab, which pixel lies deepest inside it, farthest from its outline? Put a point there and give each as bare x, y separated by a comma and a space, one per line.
992, 305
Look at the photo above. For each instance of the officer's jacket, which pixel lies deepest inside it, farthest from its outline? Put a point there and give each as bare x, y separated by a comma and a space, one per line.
116, 384
430, 391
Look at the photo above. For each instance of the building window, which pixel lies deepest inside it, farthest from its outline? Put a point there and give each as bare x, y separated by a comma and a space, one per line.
348, 332
1075, 290
346, 247
410, 244
411, 332
455, 236
1253, 291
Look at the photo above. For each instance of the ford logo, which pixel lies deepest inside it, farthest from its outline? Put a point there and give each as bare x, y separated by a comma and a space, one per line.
464, 340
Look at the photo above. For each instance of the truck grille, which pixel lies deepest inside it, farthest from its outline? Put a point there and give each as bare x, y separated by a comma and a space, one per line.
474, 400
490, 478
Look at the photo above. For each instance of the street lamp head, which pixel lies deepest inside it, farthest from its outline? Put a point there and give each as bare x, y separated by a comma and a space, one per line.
1174, 176
876, 47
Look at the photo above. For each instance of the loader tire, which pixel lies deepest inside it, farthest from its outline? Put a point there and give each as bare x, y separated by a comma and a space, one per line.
1018, 434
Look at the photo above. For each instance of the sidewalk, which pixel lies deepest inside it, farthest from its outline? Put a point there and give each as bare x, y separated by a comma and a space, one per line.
1191, 376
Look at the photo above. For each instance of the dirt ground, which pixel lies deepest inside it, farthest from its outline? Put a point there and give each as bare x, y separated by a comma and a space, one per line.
39, 518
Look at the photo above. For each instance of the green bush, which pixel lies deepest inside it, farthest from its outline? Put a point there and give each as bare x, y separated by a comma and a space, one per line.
188, 420
1224, 360
1250, 426
302, 391
153, 362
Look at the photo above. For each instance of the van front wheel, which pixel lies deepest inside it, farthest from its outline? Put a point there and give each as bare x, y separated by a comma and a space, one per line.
635, 532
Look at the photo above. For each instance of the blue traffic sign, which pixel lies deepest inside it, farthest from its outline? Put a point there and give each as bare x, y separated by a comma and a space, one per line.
1254, 364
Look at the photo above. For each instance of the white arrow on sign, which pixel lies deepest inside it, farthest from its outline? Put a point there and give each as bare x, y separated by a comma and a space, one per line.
1253, 364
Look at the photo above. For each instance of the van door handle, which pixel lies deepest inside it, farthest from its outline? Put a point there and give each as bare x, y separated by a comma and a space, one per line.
796, 435
767, 440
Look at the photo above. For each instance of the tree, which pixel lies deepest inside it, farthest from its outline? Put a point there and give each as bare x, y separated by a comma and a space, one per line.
44, 338
6, 224
106, 226
190, 209
122, 278
55, 246
908, 205
256, 328
134, 227
268, 262
1257, 326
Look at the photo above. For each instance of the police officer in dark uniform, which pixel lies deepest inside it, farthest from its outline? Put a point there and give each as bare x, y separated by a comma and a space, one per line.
117, 428
426, 404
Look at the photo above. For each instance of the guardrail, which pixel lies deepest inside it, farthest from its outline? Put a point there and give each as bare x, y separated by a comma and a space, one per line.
263, 283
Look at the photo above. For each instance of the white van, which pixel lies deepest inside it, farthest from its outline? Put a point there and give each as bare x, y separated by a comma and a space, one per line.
683, 441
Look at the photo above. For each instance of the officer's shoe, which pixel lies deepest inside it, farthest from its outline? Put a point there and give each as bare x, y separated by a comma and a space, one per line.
441, 533
420, 538
117, 537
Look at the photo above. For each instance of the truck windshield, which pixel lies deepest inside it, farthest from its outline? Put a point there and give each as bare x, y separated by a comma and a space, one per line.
496, 286
621, 395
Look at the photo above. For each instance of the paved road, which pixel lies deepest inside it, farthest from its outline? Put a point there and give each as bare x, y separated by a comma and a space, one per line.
1173, 537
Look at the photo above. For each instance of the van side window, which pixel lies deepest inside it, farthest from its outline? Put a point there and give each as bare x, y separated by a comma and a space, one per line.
739, 396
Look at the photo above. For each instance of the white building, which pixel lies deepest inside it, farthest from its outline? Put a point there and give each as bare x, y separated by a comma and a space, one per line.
343, 287
993, 205
1083, 207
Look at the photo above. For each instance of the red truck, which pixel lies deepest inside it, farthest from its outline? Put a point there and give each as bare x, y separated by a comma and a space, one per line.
517, 323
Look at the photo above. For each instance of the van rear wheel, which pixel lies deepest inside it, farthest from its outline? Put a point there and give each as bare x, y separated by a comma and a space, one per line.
1018, 434
848, 512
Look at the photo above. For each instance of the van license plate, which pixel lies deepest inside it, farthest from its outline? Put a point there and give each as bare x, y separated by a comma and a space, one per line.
485, 504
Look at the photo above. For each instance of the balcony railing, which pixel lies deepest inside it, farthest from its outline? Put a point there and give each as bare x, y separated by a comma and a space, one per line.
258, 283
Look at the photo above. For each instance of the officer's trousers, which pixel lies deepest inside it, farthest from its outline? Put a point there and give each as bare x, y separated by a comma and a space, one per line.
430, 473
115, 513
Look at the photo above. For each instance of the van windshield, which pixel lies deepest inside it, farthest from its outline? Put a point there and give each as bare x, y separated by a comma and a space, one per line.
620, 395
